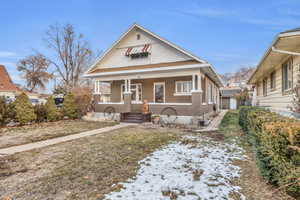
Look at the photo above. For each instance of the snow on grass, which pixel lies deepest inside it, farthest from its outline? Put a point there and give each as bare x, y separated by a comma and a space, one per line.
194, 169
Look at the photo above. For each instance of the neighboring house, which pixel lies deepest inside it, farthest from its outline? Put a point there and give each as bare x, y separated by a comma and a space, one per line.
7, 88
228, 95
143, 66
36, 98
276, 74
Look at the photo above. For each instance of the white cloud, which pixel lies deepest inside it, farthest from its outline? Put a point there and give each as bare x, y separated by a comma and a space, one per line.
7, 54
284, 18
208, 12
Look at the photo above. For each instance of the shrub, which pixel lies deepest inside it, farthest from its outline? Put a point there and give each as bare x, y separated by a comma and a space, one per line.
276, 140
52, 112
41, 112
69, 107
11, 109
83, 99
24, 109
4, 118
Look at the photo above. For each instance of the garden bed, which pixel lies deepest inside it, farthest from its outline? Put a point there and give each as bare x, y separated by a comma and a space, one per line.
12, 136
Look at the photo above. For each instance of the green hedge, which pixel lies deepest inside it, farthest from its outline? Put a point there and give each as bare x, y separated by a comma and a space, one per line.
276, 141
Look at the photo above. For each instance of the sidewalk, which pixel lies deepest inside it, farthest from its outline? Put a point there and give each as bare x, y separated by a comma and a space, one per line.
44, 143
215, 123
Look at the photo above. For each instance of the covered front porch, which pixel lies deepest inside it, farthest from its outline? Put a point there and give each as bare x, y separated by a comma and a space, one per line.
182, 95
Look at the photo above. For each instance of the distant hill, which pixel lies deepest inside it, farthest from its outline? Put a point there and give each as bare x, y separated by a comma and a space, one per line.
239, 77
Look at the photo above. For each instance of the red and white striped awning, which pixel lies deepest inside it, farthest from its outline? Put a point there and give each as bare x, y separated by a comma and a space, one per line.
139, 49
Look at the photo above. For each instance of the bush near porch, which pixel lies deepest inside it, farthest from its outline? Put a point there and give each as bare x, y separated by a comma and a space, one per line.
22, 112
276, 141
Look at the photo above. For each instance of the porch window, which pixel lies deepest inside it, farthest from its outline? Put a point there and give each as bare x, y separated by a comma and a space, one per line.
136, 92
287, 75
183, 87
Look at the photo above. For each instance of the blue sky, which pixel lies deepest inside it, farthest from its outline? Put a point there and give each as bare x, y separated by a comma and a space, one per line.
229, 34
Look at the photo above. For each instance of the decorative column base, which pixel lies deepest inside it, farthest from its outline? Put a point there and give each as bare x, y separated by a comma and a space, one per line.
127, 102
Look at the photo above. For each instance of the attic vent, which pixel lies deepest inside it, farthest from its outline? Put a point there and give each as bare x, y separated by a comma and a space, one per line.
138, 36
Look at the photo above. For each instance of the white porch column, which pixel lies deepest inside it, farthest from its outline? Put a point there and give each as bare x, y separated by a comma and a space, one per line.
127, 96
129, 85
97, 92
196, 83
193, 82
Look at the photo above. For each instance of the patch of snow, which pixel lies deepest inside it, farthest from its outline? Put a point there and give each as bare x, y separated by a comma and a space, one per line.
171, 170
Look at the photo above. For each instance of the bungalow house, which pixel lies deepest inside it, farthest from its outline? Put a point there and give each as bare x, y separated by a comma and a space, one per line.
142, 66
277, 73
7, 88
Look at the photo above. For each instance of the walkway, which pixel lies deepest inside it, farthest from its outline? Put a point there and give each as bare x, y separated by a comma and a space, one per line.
44, 143
215, 123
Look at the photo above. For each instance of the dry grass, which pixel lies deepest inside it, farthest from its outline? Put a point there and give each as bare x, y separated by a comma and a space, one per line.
81, 169
32, 133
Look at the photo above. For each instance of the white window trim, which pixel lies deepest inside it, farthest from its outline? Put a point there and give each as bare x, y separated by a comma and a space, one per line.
159, 83
182, 93
135, 102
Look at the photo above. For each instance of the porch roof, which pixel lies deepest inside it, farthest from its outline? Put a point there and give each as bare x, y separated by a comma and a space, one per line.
153, 71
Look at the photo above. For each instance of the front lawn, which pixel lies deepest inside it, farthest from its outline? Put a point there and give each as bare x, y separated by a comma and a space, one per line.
36, 132
81, 169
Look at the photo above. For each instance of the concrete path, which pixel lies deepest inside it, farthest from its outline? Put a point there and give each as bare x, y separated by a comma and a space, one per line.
215, 123
44, 143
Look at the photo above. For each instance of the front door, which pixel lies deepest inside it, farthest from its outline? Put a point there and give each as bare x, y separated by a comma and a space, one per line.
159, 92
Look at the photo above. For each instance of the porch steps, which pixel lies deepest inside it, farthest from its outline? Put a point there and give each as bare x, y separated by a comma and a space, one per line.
133, 117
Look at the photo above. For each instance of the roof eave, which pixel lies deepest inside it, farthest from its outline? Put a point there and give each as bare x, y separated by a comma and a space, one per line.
277, 38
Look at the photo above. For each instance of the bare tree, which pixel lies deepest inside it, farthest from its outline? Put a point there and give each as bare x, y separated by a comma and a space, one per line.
34, 70
72, 54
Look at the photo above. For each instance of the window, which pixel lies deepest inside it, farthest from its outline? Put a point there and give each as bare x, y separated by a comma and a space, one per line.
210, 93
287, 74
138, 36
203, 85
273, 80
265, 87
183, 87
136, 92
258, 89
159, 92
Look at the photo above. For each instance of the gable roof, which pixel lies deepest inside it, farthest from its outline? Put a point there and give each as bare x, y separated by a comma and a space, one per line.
6, 84
153, 35
182, 50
